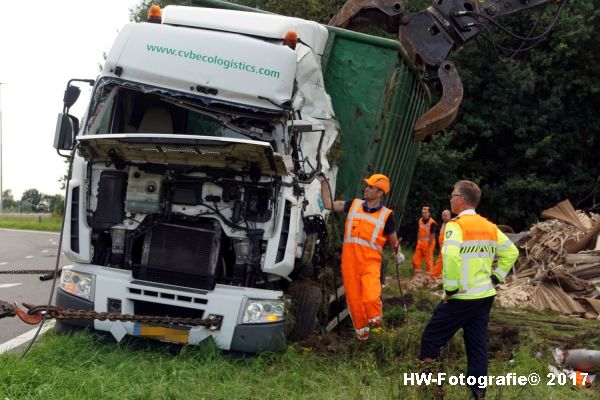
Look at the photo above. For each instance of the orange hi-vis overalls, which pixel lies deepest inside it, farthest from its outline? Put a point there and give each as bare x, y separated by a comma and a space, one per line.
437, 268
425, 246
361, 265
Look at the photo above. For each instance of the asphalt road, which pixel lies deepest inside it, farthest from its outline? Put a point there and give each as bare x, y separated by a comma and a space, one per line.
20, 250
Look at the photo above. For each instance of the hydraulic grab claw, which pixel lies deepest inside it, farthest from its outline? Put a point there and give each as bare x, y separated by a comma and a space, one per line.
429, 36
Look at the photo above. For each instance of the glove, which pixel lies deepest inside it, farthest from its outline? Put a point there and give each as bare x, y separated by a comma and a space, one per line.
398, 257
495, 280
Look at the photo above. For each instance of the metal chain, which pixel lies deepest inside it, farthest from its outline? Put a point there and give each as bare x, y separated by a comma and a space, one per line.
27, 272
211, 322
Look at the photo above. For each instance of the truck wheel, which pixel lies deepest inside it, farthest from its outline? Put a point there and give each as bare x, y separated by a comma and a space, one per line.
306, 301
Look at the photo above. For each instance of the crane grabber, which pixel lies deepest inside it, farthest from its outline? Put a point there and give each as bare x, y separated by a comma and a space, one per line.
429, 37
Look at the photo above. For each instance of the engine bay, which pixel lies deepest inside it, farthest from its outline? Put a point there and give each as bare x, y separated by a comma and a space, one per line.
185, 227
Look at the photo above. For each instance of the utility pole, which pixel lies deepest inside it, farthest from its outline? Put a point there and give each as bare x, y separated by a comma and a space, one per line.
1, 158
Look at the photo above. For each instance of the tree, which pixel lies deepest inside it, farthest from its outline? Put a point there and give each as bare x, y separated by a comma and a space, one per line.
528, 129
34, 198
8, 201
316, 10
55, 203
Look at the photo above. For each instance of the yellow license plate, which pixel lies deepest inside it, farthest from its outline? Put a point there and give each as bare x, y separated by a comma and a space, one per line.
164, 333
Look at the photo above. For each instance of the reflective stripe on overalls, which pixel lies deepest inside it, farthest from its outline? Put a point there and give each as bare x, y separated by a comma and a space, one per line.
425, 230
361, 264
425, 247
379, 223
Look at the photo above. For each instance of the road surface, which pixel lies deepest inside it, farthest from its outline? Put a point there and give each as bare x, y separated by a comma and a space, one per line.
22, 250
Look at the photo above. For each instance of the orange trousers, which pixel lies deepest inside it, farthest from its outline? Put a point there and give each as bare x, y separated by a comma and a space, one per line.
361, 274
424, 250
437, 268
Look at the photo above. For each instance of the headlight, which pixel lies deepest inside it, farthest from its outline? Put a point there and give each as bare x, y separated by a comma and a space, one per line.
263, 311
78, 284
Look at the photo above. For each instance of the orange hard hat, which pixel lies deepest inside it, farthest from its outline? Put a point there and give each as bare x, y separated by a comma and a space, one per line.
379, 181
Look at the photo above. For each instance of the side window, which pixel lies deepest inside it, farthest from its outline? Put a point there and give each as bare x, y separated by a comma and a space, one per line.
99, 122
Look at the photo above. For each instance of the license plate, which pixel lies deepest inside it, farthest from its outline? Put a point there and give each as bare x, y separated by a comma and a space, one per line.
164, 333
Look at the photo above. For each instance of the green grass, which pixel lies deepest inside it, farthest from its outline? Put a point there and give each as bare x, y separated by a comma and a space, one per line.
83, 366
31, 222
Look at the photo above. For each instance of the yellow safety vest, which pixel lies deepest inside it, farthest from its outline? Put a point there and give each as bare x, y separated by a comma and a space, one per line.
471, 243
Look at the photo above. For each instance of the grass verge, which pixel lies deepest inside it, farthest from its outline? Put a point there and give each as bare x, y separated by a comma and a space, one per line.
31, 222
85, 366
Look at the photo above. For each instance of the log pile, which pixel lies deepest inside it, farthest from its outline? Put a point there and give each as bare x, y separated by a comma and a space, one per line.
559, 266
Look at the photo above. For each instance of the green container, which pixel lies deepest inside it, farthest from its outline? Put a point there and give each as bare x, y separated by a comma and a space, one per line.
377, 97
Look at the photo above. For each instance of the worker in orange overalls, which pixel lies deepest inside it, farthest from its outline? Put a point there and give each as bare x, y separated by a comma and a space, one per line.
425, 242
437, 268
369, 226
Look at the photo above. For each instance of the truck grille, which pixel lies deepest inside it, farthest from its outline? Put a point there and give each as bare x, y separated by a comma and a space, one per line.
181, 255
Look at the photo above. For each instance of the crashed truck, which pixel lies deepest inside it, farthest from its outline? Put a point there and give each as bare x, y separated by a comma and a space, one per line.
192, 203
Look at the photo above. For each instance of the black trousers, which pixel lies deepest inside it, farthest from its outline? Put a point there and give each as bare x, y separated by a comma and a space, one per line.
470, 315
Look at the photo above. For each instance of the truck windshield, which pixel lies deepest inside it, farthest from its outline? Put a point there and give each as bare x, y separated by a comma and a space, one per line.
117, 109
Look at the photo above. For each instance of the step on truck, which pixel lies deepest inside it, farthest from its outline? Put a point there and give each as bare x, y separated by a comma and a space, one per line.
192, 190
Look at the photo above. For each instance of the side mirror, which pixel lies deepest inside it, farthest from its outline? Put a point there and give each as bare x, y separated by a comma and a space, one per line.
71, 95
66, 127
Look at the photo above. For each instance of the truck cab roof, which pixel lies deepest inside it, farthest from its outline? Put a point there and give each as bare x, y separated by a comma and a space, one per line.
226, 56
269, 26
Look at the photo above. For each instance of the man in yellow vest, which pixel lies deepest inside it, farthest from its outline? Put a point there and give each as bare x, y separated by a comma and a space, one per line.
436, 272
471, 243
369, 225
425, 243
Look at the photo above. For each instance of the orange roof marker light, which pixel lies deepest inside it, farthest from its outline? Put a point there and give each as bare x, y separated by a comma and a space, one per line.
291, 39
155, 14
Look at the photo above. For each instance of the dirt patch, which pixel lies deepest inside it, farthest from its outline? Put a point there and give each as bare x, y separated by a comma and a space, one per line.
426, 304
502, 338
333, 344
397, 301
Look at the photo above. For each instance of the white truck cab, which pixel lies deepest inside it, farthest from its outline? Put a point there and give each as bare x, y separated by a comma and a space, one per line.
194, 176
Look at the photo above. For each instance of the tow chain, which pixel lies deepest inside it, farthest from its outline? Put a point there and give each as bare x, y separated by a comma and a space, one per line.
36, 313
27, 272
45, 274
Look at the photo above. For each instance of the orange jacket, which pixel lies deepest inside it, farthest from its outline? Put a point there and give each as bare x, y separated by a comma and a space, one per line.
366, 229
425, 233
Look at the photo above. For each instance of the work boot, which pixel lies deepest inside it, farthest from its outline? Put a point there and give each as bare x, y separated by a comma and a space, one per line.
363, 333
478, 394
433, 391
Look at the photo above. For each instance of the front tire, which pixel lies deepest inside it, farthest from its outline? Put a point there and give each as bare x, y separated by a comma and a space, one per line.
307, 299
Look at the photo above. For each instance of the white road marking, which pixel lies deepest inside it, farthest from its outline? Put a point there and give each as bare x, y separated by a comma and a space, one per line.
28, 256
3, 263
45, 251
28, 231
25, 337
9, 285
53, 243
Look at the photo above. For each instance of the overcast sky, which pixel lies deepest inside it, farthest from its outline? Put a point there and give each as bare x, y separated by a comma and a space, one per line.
43, 45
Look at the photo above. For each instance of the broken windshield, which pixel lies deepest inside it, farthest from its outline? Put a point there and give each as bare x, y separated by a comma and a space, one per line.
120, 109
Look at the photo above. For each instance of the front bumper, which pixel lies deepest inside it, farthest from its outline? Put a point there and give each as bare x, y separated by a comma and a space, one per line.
66, 300
225, 301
